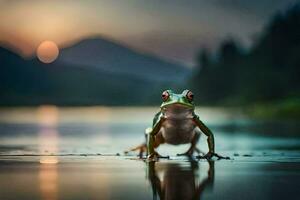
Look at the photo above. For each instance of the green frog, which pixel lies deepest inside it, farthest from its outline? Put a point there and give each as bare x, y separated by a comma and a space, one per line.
176, 123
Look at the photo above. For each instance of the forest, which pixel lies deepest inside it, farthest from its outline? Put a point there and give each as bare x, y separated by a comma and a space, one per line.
267, 73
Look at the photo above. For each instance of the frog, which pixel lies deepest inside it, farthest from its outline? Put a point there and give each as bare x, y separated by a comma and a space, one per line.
176, 123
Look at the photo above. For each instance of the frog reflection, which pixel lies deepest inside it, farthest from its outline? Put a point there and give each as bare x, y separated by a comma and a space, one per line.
173, 181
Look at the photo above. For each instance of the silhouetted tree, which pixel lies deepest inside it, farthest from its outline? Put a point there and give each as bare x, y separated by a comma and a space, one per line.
269, 71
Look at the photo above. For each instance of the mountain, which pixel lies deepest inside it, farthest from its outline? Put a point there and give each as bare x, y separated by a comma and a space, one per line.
92, 72
113, 57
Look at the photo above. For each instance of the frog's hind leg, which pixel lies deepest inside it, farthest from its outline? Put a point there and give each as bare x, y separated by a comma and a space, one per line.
140, 148
193, 147
143, 147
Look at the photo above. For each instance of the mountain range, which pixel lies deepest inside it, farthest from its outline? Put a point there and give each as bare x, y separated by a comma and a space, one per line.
94, 71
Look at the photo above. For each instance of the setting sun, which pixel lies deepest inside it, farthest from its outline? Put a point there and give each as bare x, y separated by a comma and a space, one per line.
47, 52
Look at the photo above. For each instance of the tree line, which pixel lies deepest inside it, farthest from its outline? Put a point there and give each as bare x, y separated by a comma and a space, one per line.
268, 71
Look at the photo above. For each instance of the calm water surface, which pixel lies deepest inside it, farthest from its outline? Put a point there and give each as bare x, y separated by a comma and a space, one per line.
55, 153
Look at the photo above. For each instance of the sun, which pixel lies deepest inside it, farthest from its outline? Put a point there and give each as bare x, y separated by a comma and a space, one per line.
47, 51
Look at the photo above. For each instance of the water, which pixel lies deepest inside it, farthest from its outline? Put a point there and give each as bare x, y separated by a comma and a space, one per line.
77, 153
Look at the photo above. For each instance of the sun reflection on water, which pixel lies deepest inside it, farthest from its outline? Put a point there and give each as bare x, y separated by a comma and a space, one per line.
48, 115
48, 147
48, 182
48, 134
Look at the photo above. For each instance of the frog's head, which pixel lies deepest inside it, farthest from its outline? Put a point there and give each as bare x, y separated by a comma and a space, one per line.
184, 99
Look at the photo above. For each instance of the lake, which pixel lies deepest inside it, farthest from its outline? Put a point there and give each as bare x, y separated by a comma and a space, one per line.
53, 153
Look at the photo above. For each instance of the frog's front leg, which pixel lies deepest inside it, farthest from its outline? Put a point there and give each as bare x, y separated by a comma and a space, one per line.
153, 141
208, 133
210, 140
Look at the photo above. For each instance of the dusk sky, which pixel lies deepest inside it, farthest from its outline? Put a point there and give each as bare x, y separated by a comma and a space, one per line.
172, 29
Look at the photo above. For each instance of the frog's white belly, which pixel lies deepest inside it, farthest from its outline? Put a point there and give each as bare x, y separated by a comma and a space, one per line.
178, 128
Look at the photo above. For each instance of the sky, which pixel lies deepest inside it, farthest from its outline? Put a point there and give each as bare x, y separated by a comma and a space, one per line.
171, 29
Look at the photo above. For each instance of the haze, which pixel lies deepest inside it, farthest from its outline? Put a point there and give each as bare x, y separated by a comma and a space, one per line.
173, 30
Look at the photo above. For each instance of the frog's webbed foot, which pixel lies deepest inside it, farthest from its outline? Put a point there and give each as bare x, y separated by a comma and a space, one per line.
210, 155
141, 149
155, 156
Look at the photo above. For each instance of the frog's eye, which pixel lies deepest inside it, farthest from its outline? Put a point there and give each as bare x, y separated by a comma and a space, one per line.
165, 95
190, 96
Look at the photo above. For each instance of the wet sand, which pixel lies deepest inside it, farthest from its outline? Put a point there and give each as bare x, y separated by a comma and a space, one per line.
52, 154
